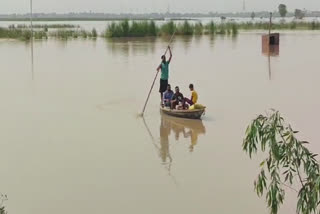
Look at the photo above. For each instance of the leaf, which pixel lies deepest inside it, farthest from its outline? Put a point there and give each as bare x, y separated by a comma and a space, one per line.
287, 177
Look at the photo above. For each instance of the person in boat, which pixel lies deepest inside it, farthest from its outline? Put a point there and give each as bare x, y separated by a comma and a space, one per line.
164, 67
194, 96
167, 97
177, 99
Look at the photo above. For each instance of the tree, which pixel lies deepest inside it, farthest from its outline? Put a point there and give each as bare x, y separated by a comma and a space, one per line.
299, 14
253, 15
288, 161
282, 10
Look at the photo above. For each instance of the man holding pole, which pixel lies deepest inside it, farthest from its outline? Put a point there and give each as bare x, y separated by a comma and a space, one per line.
164, 67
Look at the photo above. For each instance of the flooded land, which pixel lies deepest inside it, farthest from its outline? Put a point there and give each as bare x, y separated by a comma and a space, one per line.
71, 141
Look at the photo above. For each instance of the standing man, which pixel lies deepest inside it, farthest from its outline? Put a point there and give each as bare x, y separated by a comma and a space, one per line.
164, 67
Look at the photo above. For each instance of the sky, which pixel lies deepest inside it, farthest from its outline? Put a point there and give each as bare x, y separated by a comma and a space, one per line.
146, 6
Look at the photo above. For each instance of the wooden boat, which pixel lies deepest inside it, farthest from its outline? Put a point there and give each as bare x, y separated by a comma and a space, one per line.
190, 114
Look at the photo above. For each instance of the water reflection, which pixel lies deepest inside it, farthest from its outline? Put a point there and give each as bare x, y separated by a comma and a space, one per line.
197, 39
31, 56
32, 62
234, 39
270, 51
125, 46
185, 40
212, 40
188, 129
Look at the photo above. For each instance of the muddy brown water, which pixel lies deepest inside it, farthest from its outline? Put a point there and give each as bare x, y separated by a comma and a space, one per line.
71, 142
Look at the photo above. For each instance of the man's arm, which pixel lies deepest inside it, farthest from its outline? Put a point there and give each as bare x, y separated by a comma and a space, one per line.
159, 68
170, 54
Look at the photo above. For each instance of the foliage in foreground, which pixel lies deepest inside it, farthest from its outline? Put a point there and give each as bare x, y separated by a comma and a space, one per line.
3, 198
288, 160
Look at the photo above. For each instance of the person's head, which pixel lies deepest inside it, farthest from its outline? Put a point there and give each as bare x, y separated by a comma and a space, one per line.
163, 58
169, 87
191, 87
177, 89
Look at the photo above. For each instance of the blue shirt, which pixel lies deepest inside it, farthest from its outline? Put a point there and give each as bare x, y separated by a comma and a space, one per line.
168, 95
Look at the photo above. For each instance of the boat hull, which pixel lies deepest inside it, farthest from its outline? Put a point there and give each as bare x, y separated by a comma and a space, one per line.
189, 114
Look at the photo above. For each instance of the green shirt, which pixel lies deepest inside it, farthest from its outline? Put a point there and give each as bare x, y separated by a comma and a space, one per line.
165, 71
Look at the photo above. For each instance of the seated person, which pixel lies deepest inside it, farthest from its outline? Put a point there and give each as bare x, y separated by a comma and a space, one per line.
177, 98
194, 96
167, 97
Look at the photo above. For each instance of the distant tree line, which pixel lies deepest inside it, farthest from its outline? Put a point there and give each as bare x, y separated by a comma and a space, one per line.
282, 12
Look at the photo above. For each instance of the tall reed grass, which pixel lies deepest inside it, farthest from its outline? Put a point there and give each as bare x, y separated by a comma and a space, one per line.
22, 34
134, 29
145, 28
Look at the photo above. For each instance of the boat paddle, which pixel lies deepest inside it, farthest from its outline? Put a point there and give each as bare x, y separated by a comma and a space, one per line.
154, 80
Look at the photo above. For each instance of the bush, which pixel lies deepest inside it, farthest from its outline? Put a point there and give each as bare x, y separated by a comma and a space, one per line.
234, 29
198, 29
135, 29
168, 28
94, 33
185, 29
211, 28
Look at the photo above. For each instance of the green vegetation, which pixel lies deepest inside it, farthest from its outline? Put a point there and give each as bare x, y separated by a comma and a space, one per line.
211, 28
135, 29
73, 34
288, 164
145, 28
168, 28
94, 33
198, 29
185, 29
141, 29
22, 34
128, 28
25, 34
315, 25
3, 198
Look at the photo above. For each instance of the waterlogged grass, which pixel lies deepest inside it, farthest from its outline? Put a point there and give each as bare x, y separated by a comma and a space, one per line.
145, 28
22, 34
25, 34
73, 34
128, 28
134, 29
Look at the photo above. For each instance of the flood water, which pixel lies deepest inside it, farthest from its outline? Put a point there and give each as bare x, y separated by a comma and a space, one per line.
71, 141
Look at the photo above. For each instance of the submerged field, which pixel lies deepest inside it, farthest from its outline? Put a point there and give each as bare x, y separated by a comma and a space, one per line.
71, 141
128, 28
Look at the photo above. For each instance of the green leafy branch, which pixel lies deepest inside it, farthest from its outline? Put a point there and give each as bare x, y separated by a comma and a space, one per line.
288, 160
3, 198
